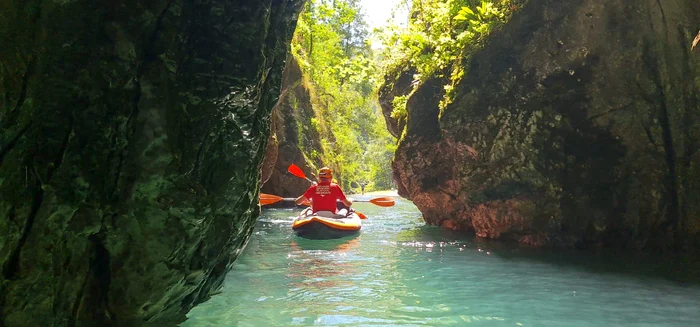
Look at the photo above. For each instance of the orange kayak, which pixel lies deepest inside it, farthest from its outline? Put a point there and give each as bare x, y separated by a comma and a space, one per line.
326, 225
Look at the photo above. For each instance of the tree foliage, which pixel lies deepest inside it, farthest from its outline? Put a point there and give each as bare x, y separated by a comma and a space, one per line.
330, 43
440, 36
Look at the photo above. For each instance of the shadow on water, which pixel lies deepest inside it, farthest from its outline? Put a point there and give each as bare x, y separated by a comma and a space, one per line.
684, 269
678, 268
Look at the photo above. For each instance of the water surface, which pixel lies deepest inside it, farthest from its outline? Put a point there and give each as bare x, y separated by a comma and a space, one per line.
399, 272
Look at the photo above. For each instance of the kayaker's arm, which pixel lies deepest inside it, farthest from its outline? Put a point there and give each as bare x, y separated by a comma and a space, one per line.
301, 200
347, 202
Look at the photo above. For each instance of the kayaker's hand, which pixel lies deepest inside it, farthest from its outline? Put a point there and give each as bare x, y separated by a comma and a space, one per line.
314, 184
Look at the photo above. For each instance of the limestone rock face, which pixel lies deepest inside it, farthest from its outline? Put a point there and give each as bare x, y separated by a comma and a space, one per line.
294, 140
131, 146
578, 123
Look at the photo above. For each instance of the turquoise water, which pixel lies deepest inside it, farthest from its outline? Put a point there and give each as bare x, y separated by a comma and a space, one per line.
399, 272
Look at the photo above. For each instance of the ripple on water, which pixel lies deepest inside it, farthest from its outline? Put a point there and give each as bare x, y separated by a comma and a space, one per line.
398, 272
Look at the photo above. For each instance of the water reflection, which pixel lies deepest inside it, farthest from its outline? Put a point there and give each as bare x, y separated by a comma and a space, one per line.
316, 267
320, 278
341, 244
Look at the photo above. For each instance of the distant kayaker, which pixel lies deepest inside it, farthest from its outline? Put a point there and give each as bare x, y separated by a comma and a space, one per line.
324, 194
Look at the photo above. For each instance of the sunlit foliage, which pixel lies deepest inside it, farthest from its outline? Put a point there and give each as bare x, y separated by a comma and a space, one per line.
331, 44
440, 36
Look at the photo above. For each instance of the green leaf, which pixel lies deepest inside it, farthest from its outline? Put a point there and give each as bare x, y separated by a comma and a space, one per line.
467, 10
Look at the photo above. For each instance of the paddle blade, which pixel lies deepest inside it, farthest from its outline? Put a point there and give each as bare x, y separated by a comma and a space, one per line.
385, 201
266, 199
296, 171
361, 215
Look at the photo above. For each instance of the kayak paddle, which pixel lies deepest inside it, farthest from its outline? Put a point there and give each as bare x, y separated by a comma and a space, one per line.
293, 169
385, 201
296, 171
266, 199
270, 199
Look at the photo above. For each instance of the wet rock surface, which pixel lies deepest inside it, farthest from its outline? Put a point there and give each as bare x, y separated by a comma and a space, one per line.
131, 146
294, 140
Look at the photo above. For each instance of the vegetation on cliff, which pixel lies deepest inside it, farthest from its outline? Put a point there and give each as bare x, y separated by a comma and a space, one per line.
438, 41
331, 46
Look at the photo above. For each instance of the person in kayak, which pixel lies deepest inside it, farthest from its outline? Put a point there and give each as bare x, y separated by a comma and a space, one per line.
324, 194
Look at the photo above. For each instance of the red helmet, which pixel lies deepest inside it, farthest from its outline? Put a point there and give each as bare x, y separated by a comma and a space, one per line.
325, 172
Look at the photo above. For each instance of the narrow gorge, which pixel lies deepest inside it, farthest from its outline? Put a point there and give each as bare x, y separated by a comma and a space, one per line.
136, 138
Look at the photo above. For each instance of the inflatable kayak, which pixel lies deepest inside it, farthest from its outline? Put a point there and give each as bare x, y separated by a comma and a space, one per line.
326, 225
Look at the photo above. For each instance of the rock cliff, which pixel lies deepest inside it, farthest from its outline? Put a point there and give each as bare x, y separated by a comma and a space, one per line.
577, 124
131, 145
294, 140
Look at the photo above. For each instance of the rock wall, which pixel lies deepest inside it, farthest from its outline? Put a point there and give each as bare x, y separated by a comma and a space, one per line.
131, 144
577, 124
294, 139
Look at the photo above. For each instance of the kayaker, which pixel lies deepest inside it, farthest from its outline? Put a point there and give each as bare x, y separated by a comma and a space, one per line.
324, 194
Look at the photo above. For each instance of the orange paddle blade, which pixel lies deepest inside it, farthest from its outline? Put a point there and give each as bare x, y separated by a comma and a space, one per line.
266, 199
361, 215
385, 201
296, 171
